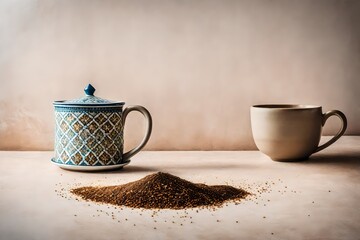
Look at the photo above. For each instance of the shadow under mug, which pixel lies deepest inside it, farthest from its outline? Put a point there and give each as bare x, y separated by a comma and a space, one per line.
287, 132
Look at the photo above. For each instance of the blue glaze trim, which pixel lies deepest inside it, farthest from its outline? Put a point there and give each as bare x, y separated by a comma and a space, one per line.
88, 109
70, 163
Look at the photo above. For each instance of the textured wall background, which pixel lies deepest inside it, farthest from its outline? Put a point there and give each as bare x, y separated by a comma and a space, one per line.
196, 65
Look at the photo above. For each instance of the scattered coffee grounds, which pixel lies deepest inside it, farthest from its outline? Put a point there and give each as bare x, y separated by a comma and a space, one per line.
162, 191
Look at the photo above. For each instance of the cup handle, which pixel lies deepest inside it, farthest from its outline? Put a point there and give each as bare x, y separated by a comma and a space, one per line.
146, 138
339, 133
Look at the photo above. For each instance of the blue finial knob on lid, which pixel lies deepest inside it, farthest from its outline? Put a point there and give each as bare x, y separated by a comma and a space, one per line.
89, 90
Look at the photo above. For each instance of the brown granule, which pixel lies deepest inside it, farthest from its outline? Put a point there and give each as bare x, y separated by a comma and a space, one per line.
161, 191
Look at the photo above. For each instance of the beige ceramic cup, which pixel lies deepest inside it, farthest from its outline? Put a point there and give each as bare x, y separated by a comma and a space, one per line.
291, 132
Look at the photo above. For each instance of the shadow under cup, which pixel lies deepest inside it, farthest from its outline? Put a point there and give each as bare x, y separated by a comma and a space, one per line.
287, 132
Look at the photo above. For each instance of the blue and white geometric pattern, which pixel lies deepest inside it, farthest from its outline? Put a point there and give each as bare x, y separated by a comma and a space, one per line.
88, 138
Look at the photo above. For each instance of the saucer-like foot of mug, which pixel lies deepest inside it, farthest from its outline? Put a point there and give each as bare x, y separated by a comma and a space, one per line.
290, 160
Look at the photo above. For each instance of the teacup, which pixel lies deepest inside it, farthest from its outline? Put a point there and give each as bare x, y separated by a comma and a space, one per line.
287, 132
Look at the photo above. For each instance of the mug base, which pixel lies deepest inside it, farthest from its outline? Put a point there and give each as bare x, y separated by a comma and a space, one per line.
90, 168
290, 160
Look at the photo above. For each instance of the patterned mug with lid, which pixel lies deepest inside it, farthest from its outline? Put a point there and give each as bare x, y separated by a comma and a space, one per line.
89, 133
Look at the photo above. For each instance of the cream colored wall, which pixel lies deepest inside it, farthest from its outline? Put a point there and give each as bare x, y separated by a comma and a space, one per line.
196, 65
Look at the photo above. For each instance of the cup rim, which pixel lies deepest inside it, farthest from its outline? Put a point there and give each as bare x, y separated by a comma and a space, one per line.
285, 106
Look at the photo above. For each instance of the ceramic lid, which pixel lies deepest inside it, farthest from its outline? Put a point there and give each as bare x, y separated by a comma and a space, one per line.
88, 100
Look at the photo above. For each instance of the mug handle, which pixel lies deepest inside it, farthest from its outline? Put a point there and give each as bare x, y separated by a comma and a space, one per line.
146, 138
339, 133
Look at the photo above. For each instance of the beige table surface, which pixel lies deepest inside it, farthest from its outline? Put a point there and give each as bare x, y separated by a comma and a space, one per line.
315, 199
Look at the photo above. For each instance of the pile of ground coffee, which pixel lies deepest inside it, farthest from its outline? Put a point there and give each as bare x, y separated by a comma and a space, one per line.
161, 191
